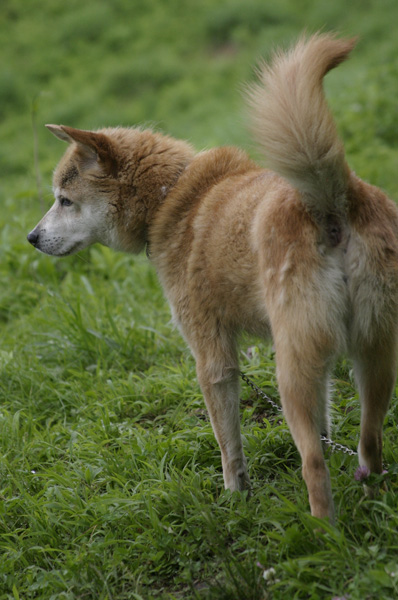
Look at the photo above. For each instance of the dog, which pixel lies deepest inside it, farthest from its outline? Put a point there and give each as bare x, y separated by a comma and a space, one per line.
304, 252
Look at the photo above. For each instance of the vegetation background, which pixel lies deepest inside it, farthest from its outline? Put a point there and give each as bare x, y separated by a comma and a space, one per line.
110, 477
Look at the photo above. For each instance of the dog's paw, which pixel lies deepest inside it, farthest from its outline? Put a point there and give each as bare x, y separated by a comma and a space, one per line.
373, 484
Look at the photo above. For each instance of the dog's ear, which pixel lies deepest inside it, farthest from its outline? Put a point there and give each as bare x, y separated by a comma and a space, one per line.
59, 132
95, 150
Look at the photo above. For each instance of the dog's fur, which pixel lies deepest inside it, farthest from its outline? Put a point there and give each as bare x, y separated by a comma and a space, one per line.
307, 252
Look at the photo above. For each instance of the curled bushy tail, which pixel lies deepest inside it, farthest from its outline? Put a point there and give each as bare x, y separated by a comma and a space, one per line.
294, 126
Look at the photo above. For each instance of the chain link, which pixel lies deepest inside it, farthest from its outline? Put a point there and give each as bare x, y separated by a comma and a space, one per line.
260, 394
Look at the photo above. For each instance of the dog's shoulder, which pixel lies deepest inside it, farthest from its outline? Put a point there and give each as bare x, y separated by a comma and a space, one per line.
207, 170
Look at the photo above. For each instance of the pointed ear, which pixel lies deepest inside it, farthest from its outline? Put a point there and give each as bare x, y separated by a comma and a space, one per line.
95, 149
58, 131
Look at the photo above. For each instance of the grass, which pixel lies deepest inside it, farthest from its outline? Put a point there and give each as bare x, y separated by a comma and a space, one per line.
110, 477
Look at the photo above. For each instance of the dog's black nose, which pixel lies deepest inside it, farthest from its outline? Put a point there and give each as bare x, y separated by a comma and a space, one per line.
33, 237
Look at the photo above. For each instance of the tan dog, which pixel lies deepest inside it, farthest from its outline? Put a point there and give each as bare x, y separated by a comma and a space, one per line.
307, 251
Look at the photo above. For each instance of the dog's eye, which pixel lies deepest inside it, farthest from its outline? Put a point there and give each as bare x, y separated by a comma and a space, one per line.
65, 201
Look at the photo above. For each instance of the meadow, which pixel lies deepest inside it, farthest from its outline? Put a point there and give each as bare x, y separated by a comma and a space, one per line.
110, 477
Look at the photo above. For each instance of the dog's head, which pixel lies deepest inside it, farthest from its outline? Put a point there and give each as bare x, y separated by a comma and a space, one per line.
106, 186
84, 184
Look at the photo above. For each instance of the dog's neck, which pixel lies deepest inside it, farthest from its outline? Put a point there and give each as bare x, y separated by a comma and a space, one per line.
152, 165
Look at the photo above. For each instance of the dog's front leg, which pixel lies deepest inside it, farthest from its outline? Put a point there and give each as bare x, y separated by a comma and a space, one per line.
220, 388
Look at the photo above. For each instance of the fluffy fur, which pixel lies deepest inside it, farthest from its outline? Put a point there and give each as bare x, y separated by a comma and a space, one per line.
306, 252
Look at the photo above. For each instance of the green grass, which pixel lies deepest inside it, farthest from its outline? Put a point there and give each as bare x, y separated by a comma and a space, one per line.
110, 477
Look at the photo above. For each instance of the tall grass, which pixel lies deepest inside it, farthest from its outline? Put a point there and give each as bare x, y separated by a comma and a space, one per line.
110, 477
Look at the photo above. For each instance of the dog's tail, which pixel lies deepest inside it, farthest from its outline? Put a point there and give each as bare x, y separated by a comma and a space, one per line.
294, 126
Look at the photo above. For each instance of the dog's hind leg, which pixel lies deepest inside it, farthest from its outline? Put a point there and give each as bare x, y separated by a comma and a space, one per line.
303, 389
218, 376
375, 369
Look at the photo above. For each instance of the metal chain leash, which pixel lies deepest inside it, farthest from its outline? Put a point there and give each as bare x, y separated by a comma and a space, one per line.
260, 394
